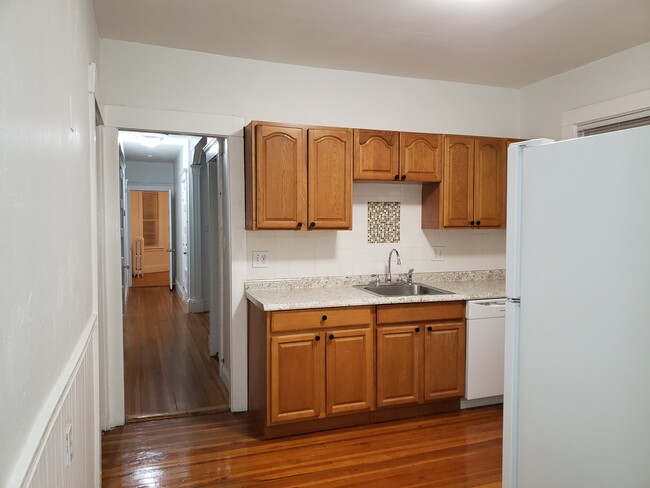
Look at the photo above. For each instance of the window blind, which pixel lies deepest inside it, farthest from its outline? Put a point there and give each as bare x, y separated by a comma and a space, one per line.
614, 126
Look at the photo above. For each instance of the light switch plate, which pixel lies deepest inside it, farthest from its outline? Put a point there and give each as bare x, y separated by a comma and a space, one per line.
260, 259
438, 253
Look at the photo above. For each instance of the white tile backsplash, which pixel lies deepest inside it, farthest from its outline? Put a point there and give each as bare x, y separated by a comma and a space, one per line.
334, 253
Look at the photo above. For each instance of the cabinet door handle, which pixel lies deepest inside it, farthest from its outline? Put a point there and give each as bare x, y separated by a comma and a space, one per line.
478, 222
417, 329
396, 177
324, 317
299, 225
429, 328
472, 222
313, 224
317, 338
331, 336
403, 177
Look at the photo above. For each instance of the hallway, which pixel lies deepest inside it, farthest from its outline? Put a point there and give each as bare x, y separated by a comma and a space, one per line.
167, 369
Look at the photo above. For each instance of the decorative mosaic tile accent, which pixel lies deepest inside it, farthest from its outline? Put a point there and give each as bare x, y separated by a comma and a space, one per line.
383, 222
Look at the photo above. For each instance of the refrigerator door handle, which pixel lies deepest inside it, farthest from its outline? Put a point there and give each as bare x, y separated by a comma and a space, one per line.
513, 217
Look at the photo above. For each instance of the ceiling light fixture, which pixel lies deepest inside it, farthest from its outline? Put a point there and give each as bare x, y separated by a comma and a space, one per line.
150, 140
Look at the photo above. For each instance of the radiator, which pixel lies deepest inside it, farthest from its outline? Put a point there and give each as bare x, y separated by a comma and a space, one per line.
138, 256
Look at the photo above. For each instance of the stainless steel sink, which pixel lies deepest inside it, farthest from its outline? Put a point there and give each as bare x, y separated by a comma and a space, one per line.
403, 290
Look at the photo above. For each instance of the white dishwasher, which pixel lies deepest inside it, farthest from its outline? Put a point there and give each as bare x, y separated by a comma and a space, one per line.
485, 342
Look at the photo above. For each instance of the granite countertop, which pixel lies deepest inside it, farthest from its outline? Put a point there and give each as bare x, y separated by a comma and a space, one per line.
304, 293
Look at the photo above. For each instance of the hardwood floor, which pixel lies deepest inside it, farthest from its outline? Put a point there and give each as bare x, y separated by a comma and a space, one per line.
167, 367
151, 279
459, 449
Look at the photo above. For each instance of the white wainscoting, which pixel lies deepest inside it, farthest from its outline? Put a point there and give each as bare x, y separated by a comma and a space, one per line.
76, 410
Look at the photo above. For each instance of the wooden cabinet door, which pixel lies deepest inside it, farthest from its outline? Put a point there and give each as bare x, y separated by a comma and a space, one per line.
376, 155
297, 377
398, 365
458, 181
330, 178
349, 371
489, 182
281, 177
420, 157
444, 360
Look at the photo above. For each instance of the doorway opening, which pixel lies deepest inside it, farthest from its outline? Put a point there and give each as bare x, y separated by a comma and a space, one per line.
174, 273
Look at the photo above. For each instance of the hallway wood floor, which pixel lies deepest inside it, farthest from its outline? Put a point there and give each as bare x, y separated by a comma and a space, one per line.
167, 367
458, 449
151, 279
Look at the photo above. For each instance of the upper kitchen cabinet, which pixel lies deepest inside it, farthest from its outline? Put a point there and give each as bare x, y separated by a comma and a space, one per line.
397, 156
298, 177
420, 157
330, 178
473, 188
376, 155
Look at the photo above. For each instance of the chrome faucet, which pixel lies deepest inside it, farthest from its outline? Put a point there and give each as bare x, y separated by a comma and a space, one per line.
389, 275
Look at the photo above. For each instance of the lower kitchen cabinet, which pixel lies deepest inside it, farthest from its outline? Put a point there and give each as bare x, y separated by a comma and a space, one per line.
320, 369
349, 371
424, 359
297, 383
444, 360
398, 365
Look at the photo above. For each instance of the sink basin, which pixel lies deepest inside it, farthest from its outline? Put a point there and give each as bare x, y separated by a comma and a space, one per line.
403, 290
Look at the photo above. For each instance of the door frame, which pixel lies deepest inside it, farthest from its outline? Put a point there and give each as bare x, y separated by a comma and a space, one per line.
112, 361
166, 187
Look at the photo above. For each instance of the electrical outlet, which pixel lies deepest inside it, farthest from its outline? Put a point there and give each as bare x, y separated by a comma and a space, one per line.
438, 253
260, 259
68, 445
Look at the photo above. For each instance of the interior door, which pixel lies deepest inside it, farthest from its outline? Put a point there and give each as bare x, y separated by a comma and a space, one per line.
124, 247
170, 242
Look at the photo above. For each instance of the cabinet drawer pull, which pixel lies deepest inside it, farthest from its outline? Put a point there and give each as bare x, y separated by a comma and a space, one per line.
299, 225
317, 338
324, 317
429, 328
331, 336
417, 329
403, 177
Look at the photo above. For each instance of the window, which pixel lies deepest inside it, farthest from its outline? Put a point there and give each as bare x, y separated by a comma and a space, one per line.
614, 124
150, 222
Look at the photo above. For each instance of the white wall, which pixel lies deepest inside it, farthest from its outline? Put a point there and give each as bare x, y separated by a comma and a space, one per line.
621, 74
46, 256
149, 173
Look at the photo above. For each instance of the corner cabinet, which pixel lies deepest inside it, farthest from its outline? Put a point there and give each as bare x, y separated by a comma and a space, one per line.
473, 188
397, 156
297, 177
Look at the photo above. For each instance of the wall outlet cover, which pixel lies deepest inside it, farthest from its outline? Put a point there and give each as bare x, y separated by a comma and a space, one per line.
260, 259
438, 253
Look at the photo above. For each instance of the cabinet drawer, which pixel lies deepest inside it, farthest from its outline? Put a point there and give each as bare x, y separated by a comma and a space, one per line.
419, 312
318, 318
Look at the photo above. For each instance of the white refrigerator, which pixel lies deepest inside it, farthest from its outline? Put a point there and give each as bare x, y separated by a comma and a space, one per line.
577, 365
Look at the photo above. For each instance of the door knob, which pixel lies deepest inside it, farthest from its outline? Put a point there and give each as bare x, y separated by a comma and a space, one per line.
126, 266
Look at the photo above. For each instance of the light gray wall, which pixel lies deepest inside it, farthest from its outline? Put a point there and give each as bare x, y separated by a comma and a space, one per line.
543, 103
46, 249
149, 173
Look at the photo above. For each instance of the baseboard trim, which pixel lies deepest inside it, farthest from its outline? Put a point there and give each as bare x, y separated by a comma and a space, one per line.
480, 402
197, 306
33, 449
224, 374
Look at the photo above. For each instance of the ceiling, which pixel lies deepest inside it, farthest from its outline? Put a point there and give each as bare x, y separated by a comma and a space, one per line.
166, 151
509, 43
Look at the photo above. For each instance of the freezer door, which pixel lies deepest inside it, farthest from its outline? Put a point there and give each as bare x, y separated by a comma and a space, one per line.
513, 215
583, 387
